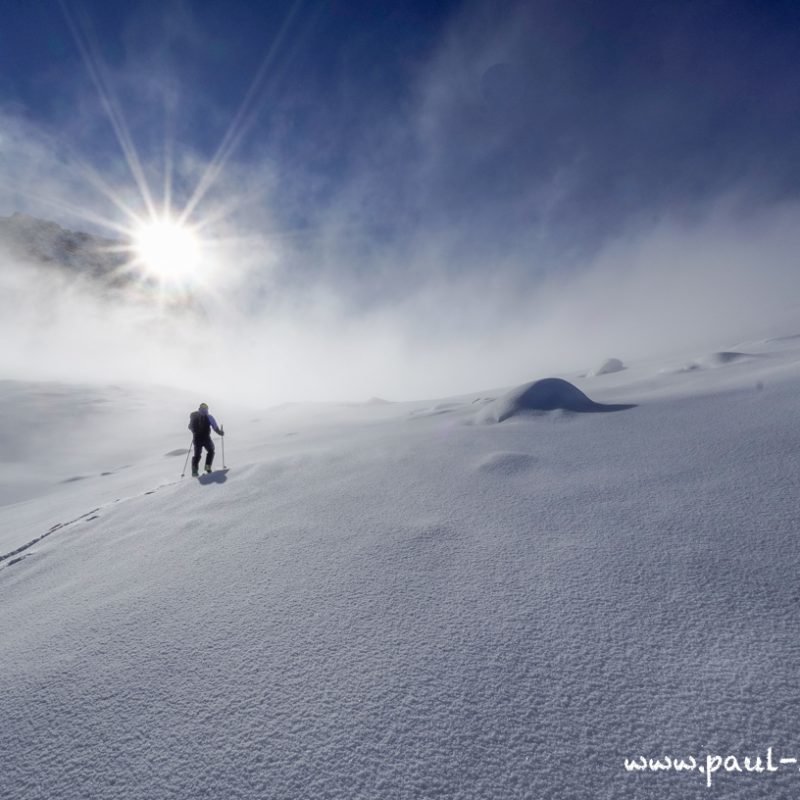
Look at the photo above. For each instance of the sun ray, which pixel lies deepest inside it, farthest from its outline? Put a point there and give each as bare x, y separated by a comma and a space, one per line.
89, 51
100, 184
161, 246
168, 157
242, 120
167, 201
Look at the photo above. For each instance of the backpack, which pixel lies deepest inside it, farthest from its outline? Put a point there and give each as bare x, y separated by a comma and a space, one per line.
199, 424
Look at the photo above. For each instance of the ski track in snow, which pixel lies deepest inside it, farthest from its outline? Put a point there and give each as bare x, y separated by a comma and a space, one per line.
57, 527
218, 476
89, 516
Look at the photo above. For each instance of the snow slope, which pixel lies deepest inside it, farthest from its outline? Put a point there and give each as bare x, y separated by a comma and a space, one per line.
395, 601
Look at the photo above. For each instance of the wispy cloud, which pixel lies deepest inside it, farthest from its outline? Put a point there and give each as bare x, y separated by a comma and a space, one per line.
546, 186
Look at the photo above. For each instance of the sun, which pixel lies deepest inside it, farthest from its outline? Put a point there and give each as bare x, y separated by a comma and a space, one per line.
168, 250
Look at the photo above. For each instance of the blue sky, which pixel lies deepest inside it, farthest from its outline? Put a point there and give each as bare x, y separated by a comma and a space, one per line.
311, 83
545, 123
448, 162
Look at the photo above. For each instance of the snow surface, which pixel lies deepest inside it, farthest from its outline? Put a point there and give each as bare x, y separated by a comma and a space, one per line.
392, 601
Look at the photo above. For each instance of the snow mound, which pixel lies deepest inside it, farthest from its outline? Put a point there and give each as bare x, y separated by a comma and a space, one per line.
607, 367
506, 463
548, 394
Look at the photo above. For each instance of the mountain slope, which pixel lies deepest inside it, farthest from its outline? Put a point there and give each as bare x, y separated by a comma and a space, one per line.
399, 601
75, 253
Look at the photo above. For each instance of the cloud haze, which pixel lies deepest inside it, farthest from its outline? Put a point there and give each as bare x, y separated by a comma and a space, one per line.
533, 187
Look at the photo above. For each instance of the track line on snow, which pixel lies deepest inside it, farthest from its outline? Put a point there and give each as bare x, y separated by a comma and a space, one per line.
57, 527
88, 516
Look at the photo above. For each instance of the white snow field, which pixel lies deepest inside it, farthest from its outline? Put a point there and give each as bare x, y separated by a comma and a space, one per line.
407, 600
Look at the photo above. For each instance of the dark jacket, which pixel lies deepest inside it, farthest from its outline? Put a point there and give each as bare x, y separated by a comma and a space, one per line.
201, 424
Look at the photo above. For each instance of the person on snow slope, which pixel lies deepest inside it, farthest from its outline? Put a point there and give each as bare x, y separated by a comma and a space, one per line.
201, 424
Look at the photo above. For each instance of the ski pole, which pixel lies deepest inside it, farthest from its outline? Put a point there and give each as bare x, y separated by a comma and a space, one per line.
187, 458
222, 428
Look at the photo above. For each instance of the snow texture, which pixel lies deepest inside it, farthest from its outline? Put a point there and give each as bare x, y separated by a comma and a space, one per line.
375, 603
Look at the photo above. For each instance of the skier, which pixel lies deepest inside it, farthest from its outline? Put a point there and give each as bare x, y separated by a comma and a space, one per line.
200, 424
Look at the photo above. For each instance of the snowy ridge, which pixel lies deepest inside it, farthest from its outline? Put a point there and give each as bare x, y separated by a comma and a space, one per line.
46, 243
395, 602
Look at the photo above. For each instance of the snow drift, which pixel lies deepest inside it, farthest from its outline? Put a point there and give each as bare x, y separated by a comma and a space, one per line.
548, 394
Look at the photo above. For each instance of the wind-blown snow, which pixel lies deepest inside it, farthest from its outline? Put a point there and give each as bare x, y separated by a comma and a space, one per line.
375, 603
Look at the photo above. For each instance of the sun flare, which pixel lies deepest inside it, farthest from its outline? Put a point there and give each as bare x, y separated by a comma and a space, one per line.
168, 250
